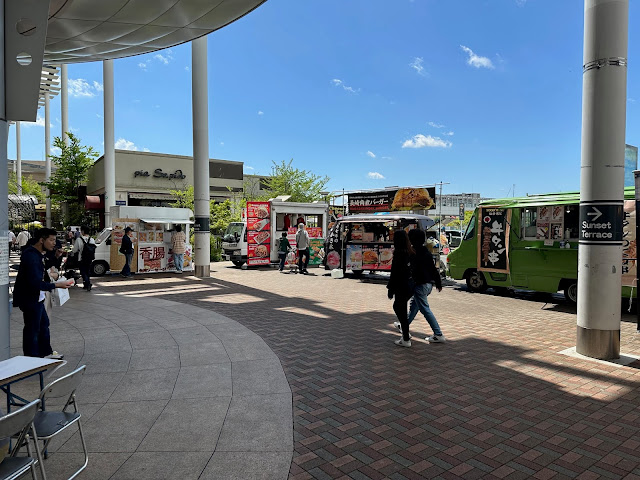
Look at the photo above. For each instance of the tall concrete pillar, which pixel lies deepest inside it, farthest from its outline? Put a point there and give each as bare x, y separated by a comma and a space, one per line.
604, 100
47, 153
5, 350
64, 102
109, 142
200, 100
18, 159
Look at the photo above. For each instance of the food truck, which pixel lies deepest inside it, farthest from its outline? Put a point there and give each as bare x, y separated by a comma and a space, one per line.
152, 229
531, 243
254, 241
365, 241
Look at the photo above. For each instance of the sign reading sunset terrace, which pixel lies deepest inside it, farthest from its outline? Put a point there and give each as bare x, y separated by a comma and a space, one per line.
601, 222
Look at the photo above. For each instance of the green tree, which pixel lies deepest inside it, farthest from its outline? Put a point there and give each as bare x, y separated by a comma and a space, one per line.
183, 198
29, 187
302, 185
222, 214
467, 218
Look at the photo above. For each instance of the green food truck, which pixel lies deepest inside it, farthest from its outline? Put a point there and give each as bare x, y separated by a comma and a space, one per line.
531, 243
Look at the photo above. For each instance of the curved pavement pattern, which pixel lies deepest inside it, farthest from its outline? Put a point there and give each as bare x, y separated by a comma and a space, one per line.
171, 391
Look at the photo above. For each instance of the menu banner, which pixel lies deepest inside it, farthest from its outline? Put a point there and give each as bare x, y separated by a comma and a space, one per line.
258, 233
370, 257
402, 199
493, 241
385, 257
354, 257
629, 245
316, 251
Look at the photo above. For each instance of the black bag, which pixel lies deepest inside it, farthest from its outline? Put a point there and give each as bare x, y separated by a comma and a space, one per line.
88, 252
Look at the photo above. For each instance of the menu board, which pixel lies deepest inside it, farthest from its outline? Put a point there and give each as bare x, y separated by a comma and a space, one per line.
316, 251
385, 257
354, 257
116, 259
369, 257
258, 233
493, 241
313, 232
629, 245
550, 222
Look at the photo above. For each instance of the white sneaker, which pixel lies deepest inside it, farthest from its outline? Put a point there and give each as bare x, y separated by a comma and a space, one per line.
401, 343
55, 356
436, 339
399, 327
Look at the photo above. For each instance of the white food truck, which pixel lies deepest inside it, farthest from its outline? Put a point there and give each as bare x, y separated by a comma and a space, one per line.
152, 229
284, 217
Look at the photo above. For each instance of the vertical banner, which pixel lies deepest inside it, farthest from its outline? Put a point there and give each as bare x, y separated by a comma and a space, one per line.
629, 246
258, 233
493, 241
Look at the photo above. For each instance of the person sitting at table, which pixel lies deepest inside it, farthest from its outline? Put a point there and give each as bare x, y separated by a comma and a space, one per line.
29, 294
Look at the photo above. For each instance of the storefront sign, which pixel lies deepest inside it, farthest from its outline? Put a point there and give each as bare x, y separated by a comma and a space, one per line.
601, 223
158, 173
493, 241
258, 233
629, 247
403, 199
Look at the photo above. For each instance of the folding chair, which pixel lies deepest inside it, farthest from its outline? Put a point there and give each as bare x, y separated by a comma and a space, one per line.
51, 423
20, 424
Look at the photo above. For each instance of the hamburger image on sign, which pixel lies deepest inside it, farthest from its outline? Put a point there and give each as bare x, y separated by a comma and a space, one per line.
412, 198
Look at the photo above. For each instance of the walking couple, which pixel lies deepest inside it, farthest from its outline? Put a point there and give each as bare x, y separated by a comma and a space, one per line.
413, 274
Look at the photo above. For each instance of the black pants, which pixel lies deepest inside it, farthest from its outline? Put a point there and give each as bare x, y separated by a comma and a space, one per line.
400, 308
283, 258
36, 339
303, 253
86, 278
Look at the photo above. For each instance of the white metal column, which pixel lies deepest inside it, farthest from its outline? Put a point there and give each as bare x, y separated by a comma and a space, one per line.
604, 99
64, 103
109, 142
47, 153
5, 348
18, 159
200, 100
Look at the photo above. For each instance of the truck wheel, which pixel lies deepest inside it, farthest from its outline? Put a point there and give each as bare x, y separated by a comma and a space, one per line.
571, 291
476, 282
237, 263
357, 273
99, 268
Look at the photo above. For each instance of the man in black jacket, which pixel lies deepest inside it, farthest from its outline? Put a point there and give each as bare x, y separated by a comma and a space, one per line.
29, 294
425, 275
127, 250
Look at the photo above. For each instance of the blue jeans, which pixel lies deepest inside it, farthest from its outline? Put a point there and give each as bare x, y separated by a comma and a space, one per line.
126, 270
283, 258
419, 302
36, 339
178, 260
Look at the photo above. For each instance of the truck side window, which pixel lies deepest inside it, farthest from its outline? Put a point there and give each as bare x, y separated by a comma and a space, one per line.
471, 229
571, 221
529, 216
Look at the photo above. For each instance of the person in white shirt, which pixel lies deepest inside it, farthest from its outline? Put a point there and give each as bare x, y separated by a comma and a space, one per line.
85, 264
12, 240
23, 238
302, 244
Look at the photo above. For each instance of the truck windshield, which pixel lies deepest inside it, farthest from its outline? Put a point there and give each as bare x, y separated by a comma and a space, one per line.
103, 235
233, 232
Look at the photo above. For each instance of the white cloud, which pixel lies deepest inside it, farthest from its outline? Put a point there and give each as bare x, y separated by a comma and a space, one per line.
38, 123
631, 100
436, 125
187, 68
416, 64
122, 144
371, 154
98, 115
143, 66
166, 58
79, 87
449, 133
56, 150
375, 176
260, 112
475, 60
221, 143
145, 149
421, 141
521, 3
247, 167
339, 83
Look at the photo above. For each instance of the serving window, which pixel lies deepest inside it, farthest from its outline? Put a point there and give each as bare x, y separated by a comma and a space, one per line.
550, 222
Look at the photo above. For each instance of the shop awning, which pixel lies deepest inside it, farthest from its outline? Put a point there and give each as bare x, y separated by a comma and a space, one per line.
93, 202
165, 220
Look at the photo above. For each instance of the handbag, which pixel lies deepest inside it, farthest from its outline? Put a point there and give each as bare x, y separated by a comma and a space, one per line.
59, 296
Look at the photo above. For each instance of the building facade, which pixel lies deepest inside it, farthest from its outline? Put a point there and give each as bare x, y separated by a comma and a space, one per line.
147, 178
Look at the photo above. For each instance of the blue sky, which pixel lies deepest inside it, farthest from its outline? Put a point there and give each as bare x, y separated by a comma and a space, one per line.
372, 93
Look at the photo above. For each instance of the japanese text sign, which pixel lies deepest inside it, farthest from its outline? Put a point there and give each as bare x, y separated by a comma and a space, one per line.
493, 239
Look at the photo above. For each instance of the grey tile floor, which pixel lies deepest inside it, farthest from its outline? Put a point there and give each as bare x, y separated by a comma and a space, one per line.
171, 391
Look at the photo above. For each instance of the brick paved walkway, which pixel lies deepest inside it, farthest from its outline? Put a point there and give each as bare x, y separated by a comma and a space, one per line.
496, 401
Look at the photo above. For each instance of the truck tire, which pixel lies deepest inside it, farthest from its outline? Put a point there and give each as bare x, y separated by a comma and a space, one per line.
357, 273
571, 291
238, 263
99, 268
476, 281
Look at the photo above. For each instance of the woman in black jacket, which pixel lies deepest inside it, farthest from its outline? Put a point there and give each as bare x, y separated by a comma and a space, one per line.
399, 282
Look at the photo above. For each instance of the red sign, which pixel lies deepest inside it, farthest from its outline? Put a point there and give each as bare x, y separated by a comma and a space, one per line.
258, 233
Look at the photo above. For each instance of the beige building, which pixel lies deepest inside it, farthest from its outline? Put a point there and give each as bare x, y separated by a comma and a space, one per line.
33, 169
146, 178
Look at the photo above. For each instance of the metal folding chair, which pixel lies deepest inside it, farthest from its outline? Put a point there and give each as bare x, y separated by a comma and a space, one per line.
50, 423
20, 425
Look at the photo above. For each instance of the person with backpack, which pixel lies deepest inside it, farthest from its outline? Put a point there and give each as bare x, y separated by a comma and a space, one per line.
85, 248
127, 250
